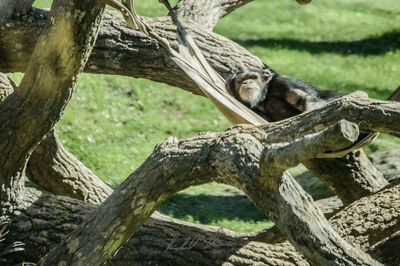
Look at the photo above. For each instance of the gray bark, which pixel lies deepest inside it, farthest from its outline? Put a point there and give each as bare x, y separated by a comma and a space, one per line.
9, 8
120, 50
45, 220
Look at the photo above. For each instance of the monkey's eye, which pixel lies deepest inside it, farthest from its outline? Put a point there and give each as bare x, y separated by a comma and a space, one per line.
252, 77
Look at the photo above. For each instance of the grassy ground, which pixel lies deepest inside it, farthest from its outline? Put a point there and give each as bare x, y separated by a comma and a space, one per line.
113, 123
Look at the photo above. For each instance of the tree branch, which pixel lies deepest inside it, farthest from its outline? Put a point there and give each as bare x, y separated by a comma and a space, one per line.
287, 155
207, 13
56, 170
120, 50
59, 172
47, 85
54, 217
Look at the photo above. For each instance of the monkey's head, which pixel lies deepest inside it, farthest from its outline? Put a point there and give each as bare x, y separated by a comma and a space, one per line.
250, 86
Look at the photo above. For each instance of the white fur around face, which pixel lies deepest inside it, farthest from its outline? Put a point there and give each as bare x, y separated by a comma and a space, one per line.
251, 95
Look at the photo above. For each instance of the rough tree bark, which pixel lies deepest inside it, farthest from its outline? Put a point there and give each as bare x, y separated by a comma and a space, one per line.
205, 12
45, 89
56, 170
124, 212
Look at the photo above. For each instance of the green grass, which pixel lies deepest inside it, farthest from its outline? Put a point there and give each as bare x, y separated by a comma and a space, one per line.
112, 123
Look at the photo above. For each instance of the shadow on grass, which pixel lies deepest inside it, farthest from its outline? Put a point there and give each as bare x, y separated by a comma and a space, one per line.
389, 41
373, 91
208, 208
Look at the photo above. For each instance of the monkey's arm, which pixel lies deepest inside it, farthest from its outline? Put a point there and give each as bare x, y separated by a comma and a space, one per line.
8, 8
299, 94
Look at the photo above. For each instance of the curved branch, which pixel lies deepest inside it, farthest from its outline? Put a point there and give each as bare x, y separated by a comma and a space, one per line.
51, 74
59, 172
120, 50
56, 170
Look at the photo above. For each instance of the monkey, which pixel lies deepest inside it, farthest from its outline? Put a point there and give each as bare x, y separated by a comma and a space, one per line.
275, 96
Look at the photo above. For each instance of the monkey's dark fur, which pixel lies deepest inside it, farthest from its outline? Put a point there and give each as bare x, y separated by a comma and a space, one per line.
275, 96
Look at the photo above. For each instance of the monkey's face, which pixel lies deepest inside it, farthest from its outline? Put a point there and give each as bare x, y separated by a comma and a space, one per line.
251, 86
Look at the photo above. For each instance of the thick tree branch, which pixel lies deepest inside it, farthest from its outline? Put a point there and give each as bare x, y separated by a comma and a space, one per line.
371, 221
233, 155
287, 155
53, 168
123, 51
59, 172
47, 85
207, 13
55, 217
279, 190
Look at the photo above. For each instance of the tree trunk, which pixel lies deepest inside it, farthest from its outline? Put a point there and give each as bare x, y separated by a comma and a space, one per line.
36, 105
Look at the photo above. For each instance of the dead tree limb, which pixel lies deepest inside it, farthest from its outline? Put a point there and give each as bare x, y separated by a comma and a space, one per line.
116, 237
120, 50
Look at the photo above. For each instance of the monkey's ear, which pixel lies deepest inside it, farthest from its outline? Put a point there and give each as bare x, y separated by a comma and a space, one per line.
267, 75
